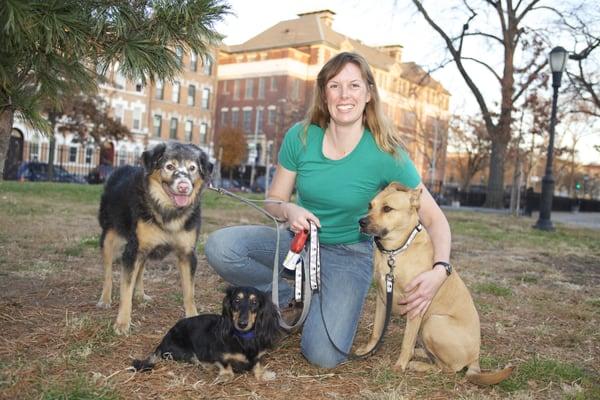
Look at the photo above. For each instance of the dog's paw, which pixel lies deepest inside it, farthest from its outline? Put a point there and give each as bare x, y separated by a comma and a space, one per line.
142, 298
121, 328
362, 350
102, 304
400, 366
268, 375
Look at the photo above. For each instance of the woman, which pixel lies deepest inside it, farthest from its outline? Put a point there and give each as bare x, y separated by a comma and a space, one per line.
338, 159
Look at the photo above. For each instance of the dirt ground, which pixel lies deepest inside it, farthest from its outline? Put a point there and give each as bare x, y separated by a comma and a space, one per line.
536, 292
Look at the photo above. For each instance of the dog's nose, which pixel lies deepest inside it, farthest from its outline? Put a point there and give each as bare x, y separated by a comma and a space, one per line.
183, 187
363, 222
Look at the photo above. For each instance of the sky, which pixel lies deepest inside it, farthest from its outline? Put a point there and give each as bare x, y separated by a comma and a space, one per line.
376, 23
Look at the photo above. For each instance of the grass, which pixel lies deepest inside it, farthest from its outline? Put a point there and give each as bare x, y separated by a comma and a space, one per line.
78, 388
493, 289
58, 345
508, 232
546, 371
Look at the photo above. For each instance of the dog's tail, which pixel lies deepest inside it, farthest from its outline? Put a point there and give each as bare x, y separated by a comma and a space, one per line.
147, 364
476, 376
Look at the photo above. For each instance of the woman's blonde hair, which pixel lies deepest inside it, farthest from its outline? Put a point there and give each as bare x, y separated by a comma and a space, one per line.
383, 130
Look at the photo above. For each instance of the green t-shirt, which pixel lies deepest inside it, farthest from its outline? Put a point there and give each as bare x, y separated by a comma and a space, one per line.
338, 192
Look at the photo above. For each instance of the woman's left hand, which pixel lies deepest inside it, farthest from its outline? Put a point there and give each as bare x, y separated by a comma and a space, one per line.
420, 292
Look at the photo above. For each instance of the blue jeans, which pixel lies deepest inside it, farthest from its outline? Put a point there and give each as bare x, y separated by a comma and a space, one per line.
243, 255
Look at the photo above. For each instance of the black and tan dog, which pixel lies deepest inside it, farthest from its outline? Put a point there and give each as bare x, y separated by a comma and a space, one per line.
449, 330
155, 209
234, 341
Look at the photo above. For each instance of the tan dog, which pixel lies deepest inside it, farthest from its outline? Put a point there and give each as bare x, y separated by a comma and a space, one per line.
449, 330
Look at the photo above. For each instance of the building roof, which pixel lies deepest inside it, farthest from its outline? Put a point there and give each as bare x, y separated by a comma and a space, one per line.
412, 72
315, 28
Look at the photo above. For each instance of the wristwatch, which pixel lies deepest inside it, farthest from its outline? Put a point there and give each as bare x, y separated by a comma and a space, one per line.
446, 266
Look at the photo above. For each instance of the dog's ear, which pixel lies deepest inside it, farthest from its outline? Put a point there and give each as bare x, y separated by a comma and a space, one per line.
397, 186
226, 312
205, 165
415, 198
267, 322
152, 156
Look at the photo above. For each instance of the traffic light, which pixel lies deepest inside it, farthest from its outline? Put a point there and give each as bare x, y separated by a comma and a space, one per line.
577, 186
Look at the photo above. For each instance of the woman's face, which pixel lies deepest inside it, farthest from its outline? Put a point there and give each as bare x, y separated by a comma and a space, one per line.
347, 94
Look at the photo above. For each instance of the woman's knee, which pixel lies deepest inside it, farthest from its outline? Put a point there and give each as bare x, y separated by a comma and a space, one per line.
322, 355
218, 249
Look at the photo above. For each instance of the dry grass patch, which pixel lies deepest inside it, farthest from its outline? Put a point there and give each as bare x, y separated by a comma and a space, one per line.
536, 293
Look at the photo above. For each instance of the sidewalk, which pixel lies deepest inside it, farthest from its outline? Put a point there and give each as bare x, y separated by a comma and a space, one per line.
589, 220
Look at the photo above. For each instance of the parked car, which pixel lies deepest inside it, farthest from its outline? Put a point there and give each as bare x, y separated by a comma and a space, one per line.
36, 171
100, 174
231, 184
259, 184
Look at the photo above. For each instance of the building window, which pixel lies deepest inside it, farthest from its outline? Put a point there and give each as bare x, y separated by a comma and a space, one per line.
34, 148
120, 81
249, 88
173, 129
157, 125
189, 126
193, 61
139, 87
179, 55
203, 131
225, 87
247, 121
122, 156
119, 113
261, 88
138, 154
259, 120
271, 117
295, 89
273, 83
235, 118
89, 154
175, 94
137, 118
205, 98
223, 118
208, 64
191, 95
159, 90
72, 154
236, 89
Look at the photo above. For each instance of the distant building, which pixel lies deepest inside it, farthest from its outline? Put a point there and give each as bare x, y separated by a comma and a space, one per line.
266, 83
180, 110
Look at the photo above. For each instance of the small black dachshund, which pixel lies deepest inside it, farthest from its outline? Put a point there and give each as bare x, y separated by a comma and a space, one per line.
234, 341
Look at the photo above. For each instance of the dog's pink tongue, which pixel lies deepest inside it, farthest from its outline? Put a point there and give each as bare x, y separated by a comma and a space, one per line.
181, 200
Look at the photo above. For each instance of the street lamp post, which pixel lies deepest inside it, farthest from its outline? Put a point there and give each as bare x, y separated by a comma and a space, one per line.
558, 59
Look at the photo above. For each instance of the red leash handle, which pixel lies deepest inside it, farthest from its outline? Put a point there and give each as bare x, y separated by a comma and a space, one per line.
293, 256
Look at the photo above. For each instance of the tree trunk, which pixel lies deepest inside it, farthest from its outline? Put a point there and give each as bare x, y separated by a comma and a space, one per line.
495, 189
52, 145
6, 122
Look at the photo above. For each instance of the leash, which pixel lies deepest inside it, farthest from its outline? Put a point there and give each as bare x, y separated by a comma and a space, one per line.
308, 277
389, 289
275, 284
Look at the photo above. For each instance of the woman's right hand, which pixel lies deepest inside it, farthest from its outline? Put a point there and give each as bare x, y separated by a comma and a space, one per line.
299, 217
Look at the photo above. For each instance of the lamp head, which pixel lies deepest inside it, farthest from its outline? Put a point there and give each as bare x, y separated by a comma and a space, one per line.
558, 60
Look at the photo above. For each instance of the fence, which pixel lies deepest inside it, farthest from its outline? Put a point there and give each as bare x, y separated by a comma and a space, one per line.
76, 159
530, 201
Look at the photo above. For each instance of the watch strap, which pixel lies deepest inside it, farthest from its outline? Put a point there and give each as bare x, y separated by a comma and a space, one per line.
444, 264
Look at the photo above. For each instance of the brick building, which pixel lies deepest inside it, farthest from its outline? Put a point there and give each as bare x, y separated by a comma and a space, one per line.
181, 110
266, 83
